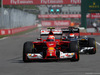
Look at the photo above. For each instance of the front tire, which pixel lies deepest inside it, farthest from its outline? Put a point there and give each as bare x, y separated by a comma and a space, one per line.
92, 43
27, 48
74, 48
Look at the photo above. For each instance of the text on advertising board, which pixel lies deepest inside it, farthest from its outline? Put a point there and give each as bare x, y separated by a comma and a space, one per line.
39, 2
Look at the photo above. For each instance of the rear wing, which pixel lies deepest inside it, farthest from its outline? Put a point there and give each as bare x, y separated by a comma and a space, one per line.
70, 30
46, 32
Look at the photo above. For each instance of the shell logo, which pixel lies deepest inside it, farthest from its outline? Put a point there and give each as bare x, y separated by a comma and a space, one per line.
51, 49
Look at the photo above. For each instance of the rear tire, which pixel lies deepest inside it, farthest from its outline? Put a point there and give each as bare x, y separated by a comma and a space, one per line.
74, 48
92, 43
27, 48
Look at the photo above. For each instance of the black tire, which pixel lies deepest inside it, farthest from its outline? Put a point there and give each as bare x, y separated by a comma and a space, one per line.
58, 53
27, 48
92, 43
44, 53
74, 48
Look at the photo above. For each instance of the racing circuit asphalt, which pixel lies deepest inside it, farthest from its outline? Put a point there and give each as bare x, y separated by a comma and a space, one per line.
11, 60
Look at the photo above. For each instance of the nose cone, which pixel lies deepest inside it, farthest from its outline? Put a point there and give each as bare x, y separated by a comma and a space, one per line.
51, 52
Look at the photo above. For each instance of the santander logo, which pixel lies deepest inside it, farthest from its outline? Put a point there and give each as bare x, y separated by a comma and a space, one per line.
57, 23
95, 16
21, 1
51, 1
51, 44
46, 23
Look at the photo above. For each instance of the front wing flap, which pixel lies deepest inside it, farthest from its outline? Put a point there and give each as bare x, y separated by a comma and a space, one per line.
40, 55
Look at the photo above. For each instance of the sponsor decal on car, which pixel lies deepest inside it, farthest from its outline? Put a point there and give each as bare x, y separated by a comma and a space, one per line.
86, 48
66, 55
51, 49
51, 44
32, 56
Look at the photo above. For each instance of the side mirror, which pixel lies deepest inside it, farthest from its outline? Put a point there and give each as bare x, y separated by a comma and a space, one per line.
63, 38
39, 39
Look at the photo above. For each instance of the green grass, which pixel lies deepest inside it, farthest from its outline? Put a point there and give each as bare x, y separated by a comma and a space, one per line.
20, 33
1, 36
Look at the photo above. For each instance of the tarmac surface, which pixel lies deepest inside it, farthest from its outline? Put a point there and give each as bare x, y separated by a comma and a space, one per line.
11, 63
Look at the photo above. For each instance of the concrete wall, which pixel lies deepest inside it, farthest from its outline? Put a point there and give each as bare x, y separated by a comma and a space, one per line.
13, 18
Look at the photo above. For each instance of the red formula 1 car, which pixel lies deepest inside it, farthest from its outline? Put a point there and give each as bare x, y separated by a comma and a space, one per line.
50, 48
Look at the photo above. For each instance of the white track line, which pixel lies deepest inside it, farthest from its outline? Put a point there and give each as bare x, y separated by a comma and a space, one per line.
98, 43
92, 73
3, 38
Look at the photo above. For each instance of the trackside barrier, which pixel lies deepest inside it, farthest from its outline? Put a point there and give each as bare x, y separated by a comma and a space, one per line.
5, 31
95, 33
85, 33
82, 34
15, 30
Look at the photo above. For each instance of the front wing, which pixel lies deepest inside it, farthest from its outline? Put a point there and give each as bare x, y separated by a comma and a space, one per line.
33, 56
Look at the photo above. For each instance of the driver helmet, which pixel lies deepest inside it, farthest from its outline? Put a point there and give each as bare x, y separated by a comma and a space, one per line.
71, 35
51, 38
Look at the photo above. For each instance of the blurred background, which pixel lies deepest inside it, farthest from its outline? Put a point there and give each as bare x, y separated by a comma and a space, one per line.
15, 16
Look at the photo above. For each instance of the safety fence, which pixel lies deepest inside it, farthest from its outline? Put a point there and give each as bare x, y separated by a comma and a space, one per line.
13, 18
